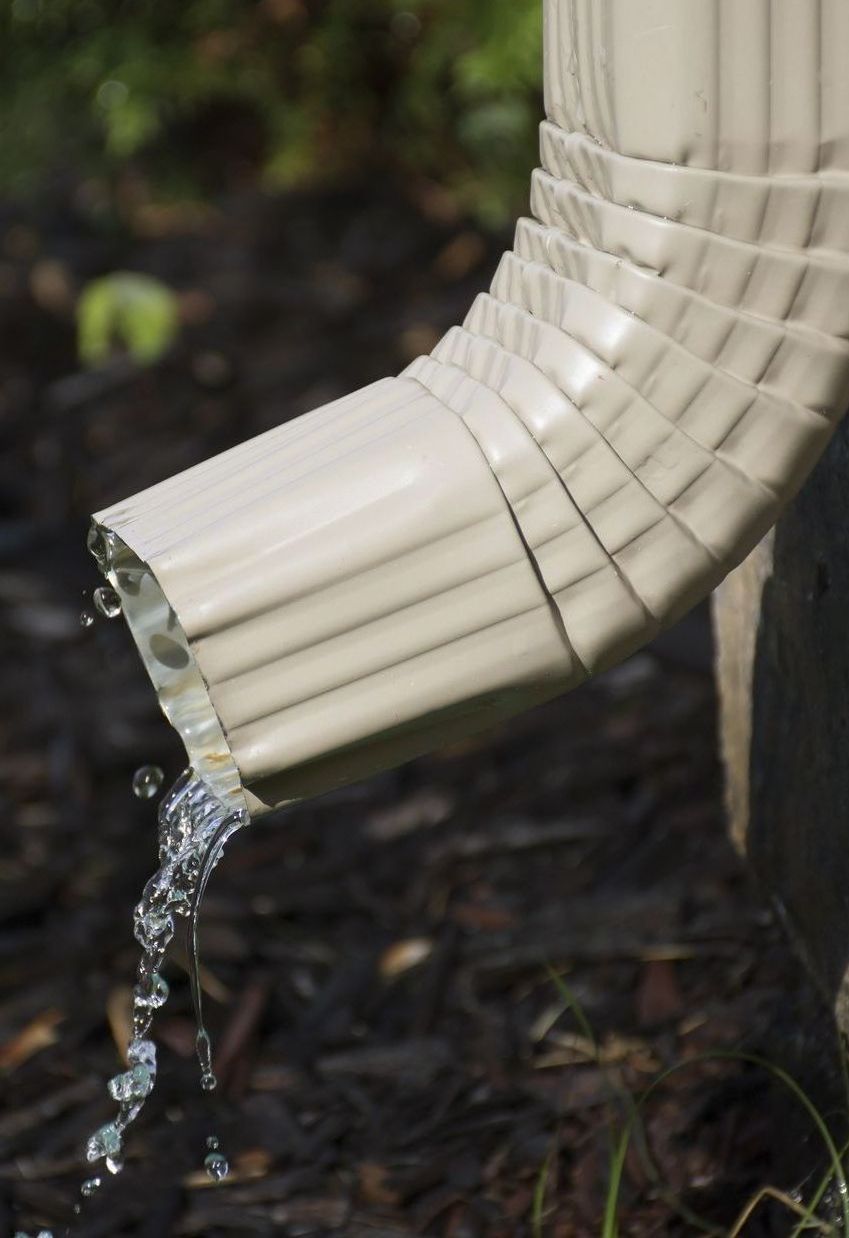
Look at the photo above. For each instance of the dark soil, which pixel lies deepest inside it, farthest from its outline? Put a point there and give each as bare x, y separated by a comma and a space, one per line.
397, 1056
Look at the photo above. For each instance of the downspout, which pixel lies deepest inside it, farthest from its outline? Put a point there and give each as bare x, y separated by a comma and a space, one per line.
659, 362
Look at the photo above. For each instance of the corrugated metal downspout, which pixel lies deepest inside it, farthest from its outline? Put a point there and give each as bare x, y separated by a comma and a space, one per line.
657, 365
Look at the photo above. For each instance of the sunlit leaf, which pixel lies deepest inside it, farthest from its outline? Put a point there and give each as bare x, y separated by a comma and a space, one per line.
126, 312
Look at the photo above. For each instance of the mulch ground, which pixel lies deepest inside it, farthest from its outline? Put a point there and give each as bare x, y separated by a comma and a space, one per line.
431, 993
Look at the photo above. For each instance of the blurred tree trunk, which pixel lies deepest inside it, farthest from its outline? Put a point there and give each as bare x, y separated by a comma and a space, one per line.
782, 628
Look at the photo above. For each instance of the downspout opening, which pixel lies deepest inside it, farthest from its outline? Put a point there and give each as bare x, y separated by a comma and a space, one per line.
170, 663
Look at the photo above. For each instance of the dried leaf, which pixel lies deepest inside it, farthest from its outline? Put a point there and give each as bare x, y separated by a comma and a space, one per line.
119, 1013
38, 1034
403, 956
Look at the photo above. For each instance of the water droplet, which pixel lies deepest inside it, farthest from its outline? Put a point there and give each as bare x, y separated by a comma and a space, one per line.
101, 543
152, 994
133, 1084
153, 932
217, 1166
212, 1143
203, 1047
142, 1053
107, 601
146, 781
90, 1186
114, 1164
86, 619
104, 1142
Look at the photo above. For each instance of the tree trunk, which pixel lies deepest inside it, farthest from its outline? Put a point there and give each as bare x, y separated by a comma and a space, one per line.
783, 663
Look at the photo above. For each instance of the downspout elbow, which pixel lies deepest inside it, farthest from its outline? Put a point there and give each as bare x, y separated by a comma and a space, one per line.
659, 362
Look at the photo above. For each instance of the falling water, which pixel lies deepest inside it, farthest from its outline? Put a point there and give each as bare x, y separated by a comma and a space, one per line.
194, 827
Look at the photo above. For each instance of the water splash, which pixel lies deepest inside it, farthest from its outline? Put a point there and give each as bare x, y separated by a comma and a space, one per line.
194, 826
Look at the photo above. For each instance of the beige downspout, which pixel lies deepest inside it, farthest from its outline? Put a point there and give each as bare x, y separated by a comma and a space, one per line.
659, 362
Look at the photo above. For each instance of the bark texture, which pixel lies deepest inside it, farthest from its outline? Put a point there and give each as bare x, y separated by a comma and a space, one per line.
783, 664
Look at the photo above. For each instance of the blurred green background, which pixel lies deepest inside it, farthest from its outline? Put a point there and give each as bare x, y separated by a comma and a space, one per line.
157, 101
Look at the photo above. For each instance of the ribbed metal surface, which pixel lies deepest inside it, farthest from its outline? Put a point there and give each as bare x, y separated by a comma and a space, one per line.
656, 367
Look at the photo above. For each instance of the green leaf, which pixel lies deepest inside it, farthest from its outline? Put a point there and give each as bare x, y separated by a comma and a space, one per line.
126, 311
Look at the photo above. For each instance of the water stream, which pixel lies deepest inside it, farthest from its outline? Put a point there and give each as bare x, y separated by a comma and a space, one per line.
193, 828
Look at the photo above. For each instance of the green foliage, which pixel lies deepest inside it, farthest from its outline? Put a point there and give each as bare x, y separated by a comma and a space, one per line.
446, 91
129, 311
